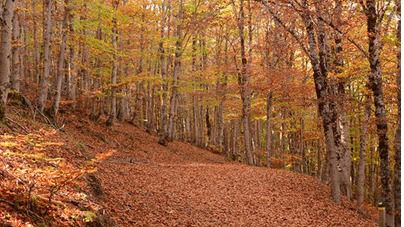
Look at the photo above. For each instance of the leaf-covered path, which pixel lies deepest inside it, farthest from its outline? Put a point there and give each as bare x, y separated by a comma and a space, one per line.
145, 184
185, 186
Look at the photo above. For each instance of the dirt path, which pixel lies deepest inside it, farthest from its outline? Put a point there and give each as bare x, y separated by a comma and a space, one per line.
209, 193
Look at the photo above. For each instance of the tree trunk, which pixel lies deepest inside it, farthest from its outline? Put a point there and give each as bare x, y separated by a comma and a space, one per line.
376, 85
150, 109
177, 69
61, 63
235, 140
397, 138
71, 67
44, 86
96, 109
15, 70
341, 128
317, 55
226, 142
163, 111
195, 128
362, 152
35, 52
201, 132
243, 80
114, 74
269, 129
302, 147
208, 125
5, 53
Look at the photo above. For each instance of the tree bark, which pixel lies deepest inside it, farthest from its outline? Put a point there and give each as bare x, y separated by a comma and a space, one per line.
150, 109
222, 97
341, 128
61, 63
114, 74
35, 52
164, 89
235, 140
44, 86
16, 68
319, 65
397, 138
362, 152
95, 106
177, 70
376, 85
243, 81
269, 129
5, 53
72, 66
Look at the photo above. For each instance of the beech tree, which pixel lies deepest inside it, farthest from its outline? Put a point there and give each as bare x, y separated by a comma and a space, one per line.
7, 11
244, 80
397, 138
61, 60
48, 23
374, 20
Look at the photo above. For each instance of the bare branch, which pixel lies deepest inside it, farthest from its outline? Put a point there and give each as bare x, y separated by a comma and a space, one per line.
357, 45
289, 30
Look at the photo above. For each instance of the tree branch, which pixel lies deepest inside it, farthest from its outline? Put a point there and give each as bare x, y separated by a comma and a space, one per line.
357, 45
289, 30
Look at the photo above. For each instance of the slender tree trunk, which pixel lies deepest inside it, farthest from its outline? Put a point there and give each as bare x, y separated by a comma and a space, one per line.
243, 80
236, 142
83, 74
208, 126
72, 68
44, 86
269, 129
95, 105
123, 112
35, 52
397, 138
222, 96
150, 109
362, 152
61, 63
163, 111
24, 62
5, 53
302, 147
201, 119
195, 127
16, 52
177, 69
114, 74
226, 142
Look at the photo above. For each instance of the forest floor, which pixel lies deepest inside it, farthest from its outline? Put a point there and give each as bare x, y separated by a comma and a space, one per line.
137, 182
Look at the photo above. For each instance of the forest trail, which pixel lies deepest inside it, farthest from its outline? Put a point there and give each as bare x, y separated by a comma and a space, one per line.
202, 194
145, 184
181, 185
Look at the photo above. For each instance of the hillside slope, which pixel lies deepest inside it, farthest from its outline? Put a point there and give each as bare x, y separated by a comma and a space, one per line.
140, 183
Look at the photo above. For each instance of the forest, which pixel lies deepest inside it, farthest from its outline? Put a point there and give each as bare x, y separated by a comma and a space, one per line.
304, 87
